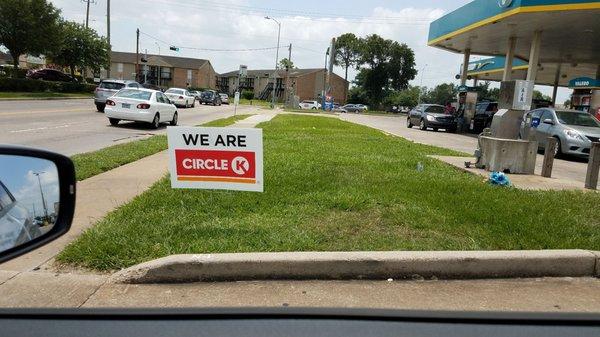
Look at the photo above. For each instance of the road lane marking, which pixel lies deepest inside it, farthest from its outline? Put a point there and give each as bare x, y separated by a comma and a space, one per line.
27, 112
47, 127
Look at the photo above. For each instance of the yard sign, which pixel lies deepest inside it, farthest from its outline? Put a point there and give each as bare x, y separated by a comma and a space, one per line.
216, 158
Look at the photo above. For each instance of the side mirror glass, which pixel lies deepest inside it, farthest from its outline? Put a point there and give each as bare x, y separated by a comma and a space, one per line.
548, 121
37, 199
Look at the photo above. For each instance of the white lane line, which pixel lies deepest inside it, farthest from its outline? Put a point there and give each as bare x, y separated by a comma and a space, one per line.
47, 127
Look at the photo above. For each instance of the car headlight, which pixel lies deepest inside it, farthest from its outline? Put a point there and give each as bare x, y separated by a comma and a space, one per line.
430, 118
574, 135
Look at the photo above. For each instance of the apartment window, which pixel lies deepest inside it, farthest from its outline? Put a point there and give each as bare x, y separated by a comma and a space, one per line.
119, 67
249, 82
189, 75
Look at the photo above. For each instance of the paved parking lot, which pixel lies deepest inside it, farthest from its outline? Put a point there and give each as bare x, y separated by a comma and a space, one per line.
569, 168
74, 126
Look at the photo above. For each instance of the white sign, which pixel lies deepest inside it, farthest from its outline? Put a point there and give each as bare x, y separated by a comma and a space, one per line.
236, 98
523, 95
216, 158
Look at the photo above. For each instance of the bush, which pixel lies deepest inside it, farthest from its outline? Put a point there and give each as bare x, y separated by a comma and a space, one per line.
27, 85
247, 94
9, 71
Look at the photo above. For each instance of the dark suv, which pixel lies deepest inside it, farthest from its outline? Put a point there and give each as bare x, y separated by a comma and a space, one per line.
210, 97
484, 113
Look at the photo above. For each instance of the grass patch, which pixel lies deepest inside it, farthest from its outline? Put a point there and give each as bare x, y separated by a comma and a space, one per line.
92, 163
336, 186
27, 95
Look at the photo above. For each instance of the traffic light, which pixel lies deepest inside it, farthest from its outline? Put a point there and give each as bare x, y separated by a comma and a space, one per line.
144, 60
173, 48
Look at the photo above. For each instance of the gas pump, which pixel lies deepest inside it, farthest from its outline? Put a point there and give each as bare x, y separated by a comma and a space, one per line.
467, 102
586, 94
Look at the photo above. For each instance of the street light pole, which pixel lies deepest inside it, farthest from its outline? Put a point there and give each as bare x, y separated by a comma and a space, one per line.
42, 193
158, 63
276, 57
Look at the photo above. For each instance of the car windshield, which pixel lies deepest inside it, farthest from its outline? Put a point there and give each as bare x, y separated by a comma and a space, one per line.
112, 85
577, 118
219, 163
134, 94
174, 91
435, 109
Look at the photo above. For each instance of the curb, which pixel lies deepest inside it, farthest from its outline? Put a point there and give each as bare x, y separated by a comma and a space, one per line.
42, 98
363, 265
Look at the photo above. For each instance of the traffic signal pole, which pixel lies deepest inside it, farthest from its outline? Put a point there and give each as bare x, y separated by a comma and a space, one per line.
137, 53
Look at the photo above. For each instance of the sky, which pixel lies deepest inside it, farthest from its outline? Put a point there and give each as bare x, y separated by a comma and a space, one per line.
308, 25
16, 173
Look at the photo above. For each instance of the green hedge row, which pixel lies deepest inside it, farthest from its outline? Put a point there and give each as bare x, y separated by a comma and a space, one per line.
27, 85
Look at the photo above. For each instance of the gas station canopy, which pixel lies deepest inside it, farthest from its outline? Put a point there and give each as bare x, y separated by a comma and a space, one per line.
564, 33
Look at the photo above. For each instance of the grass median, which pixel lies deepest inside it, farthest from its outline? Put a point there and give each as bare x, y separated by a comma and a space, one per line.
92, 163
41, 95
335, 186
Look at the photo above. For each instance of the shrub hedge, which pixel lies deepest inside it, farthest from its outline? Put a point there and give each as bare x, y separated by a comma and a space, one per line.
28, 85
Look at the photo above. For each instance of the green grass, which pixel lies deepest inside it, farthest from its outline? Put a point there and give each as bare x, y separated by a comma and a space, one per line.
27, 95
336, 186
92, 163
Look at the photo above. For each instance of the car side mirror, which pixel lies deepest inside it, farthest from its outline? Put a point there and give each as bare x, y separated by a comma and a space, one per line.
548, 121
37, 199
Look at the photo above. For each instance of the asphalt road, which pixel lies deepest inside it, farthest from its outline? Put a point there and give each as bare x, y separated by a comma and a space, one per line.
74, 126
568, 168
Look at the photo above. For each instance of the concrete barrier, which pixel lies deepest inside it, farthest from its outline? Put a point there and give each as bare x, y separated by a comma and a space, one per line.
362, 265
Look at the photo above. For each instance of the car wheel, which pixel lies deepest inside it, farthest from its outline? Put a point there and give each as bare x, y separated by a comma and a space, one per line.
558, 150
194, 104
423, 125
100, 107
408, 123
173, 122
451, 130
155, 122
114, 121
435, 129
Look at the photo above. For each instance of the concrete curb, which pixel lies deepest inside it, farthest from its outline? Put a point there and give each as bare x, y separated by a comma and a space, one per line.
363, 265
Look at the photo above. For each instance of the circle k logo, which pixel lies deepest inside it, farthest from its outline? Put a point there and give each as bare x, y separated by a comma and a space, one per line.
240, 165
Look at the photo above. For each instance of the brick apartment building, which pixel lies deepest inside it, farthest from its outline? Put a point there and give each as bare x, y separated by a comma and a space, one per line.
173, 71
305, 83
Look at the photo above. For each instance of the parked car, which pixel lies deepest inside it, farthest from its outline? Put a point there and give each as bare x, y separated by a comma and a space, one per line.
16, 223
107, 88
339, 109
210, 97
50, 75
181, 97
575, 131
351, 108
197, 94
431, 116
310, 105
361, 107
484, 114
141, 105
224, 98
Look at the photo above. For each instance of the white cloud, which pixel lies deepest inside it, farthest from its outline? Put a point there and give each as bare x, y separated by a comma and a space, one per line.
29, 193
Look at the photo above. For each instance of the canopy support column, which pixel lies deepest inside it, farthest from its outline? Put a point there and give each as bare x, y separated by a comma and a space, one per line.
465, 67
556, 80
510, 55
534, 55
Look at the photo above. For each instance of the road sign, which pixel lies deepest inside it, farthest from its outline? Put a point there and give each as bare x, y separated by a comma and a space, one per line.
216, 158
236, 98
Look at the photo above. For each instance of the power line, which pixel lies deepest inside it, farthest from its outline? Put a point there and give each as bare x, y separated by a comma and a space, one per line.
209, 49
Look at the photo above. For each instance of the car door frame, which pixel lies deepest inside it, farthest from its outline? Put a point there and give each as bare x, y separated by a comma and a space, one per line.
543, 131
164, 105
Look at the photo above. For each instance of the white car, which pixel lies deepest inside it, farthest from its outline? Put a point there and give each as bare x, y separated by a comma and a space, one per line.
140, 105
224, 98
310, 105
181, 97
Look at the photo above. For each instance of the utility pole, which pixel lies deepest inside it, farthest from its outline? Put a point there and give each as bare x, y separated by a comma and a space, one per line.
108, 36
137, 53
287, 77
42, 193
158, 63
87, 12
146, 67
276, 58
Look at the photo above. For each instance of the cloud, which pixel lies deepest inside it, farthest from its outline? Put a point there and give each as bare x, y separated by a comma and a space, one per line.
29, 193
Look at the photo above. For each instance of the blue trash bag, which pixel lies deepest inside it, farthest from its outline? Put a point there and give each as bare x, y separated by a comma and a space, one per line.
499, 179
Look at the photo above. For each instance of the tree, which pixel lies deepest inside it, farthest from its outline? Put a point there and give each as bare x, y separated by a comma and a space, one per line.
285, 63
346, 51
567, 104
81, 47
389, 66
28, 27
441, 94
408, 97
538, 95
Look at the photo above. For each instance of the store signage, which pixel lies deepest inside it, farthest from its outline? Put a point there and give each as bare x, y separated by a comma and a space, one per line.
584, 82
216, 158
